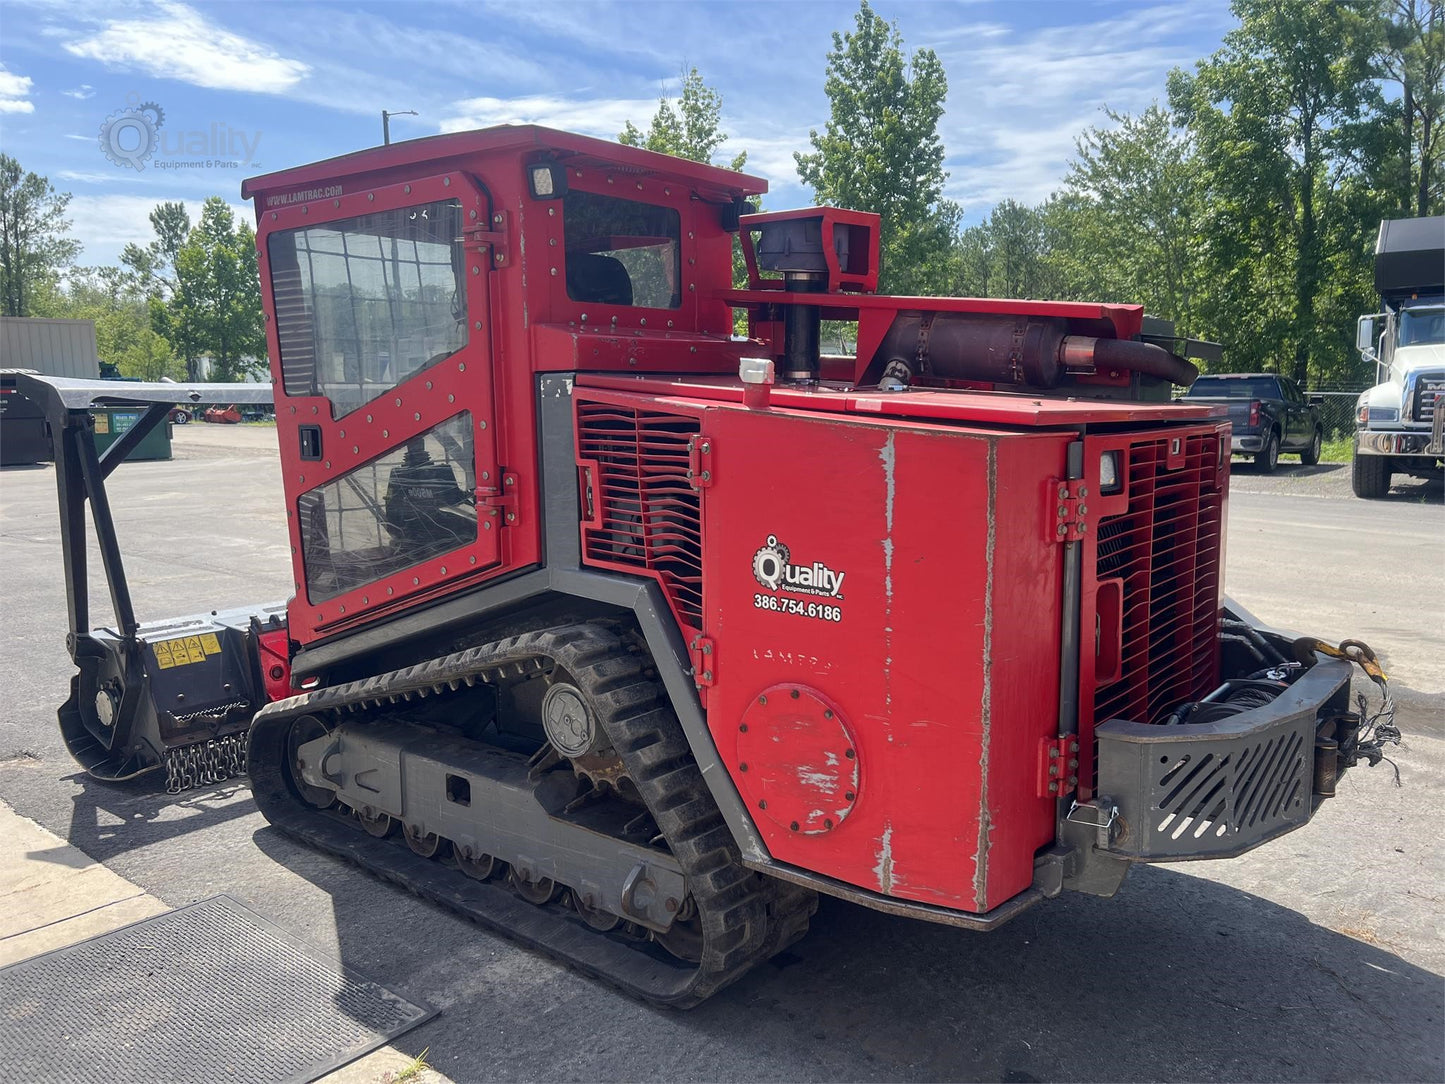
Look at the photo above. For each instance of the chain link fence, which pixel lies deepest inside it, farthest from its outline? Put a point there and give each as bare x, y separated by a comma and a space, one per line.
1337, 411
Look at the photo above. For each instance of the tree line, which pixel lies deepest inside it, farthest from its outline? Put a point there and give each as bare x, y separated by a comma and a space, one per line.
1243, 206
190, 294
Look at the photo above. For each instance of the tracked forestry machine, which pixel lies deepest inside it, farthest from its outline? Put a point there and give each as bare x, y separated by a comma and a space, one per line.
628, 636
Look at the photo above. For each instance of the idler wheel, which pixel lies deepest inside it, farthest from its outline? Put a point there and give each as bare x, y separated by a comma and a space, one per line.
305, 729
682, 939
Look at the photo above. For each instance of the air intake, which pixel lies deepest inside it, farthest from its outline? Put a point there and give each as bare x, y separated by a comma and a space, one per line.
640, 510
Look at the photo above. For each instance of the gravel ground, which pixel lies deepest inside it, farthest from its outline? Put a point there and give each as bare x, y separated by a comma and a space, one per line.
1326, 480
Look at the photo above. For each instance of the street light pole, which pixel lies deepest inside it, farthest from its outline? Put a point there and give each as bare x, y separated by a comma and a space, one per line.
386, 116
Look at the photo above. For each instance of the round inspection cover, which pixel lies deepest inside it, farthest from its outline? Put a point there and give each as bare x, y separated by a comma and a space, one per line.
796, 762
567, 721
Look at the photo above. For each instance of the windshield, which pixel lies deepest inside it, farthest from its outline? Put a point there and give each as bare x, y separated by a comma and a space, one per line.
1234, 387
1422, 324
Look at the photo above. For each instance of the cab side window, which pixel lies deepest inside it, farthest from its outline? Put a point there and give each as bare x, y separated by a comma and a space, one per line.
364, 303
621, 252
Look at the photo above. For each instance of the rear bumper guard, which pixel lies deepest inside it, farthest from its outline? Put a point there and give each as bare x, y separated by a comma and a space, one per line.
1218, 789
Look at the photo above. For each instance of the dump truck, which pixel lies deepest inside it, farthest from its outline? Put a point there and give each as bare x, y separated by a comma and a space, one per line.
627, 636
1399, 428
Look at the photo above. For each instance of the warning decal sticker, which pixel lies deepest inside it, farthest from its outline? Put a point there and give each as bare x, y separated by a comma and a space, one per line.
185, 650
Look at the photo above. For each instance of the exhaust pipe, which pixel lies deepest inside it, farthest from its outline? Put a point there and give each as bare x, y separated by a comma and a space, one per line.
1021, 350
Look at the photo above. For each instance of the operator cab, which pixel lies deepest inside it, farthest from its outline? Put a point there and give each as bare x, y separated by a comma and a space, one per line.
413, 292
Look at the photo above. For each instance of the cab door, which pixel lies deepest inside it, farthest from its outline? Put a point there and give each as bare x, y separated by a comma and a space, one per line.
380, 337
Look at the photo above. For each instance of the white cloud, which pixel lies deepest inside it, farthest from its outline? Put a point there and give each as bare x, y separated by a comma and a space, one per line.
87, 176
80, 93
603, 117
177, 42
112, 221
1019, 99
15, 92
104, 225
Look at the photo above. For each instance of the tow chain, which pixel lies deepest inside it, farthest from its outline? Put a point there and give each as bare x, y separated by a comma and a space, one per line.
213, 761
1377, 729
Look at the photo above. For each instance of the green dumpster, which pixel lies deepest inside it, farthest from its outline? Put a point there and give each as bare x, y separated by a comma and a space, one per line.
111, 422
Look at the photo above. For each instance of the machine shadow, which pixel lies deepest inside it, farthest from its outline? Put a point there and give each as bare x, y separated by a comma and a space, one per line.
108, 819
1178, 977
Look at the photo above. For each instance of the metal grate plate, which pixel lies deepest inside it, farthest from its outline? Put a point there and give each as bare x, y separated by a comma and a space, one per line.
203, 993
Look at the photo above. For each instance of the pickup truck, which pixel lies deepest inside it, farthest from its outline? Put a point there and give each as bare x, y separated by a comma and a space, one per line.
1269, 415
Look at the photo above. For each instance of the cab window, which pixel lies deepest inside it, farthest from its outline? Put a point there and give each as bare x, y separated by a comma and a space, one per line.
364, 303
414, 502
621, 252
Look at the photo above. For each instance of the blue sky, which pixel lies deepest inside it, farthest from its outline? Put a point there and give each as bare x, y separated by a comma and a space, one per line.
283, 83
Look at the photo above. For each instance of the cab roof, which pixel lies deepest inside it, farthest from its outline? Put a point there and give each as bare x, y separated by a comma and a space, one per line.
519, 139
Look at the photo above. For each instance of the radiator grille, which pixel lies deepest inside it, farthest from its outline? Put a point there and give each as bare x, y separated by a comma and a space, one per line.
646, 513
1427, 396
1165, 549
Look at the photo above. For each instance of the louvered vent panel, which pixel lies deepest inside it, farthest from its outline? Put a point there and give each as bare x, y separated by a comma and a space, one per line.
649, 516
294, 330
1166, 549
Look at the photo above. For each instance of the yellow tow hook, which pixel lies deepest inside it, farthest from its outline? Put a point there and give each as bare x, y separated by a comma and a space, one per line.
1355, 651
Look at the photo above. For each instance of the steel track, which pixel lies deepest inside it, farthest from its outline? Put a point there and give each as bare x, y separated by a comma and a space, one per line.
744, 917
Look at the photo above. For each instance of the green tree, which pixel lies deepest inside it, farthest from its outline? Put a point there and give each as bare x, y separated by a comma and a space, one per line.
112, 299
1006, 255
1125, 227
1281, 118
1412, 54
880, 150
35, 241
215, 309
154, 264
691, 128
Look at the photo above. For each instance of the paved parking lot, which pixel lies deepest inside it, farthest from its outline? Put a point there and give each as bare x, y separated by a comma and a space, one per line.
1316, 958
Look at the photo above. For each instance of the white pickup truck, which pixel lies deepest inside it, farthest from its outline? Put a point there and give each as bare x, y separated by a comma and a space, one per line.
1400, 422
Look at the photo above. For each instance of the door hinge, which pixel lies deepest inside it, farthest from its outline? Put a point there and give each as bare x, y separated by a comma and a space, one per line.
1068, 512
500, 503
491, 234
699, 461
1058, 766
704, 660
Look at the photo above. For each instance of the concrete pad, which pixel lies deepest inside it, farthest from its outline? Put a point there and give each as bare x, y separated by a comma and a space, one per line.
77, 928
48, 885
385, 1066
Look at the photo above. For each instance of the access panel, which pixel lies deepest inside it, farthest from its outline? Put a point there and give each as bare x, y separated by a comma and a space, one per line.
882, 602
